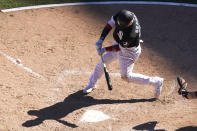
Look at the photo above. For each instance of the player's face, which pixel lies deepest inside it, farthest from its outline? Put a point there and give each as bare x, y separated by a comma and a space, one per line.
123, 24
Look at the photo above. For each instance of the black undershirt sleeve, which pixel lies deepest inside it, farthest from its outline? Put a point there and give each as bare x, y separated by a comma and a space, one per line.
105, 31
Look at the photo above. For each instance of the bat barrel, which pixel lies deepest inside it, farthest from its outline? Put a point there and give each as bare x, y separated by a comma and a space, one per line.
107, 77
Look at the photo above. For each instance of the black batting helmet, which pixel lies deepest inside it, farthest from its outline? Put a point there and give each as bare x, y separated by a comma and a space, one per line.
124, 18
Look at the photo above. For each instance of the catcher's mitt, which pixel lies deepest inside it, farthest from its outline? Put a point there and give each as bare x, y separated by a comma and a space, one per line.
182, 87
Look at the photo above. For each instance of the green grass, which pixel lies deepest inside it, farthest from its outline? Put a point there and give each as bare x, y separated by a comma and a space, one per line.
5, 4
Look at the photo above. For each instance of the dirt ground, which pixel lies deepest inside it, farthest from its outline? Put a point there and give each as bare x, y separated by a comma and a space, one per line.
57, 50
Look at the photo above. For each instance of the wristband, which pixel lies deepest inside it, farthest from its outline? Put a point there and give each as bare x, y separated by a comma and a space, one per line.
114, 48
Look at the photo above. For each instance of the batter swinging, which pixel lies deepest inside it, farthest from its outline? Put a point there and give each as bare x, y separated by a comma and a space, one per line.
126, 48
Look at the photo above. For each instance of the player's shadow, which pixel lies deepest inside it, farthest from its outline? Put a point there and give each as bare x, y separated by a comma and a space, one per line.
149, 126
71, 103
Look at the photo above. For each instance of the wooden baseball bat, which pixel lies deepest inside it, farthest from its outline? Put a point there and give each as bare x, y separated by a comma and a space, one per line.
107, 77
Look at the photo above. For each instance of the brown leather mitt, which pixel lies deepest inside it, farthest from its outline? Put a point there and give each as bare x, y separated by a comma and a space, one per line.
182, 87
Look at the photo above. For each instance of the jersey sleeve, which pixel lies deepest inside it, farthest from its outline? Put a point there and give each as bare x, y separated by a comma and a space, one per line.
111, 22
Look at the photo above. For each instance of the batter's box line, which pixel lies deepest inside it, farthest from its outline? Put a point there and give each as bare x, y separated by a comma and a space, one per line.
23, 67
78, 72
60, 77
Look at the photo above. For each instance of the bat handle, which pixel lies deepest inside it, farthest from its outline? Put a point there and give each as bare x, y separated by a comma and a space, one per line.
102, 59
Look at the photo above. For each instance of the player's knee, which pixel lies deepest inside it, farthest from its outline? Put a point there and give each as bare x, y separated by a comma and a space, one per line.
125, 78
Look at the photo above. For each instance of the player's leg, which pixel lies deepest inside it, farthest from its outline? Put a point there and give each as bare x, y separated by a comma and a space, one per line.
126, 60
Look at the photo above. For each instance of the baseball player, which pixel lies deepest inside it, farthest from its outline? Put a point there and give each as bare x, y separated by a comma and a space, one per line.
183, 91
126, 48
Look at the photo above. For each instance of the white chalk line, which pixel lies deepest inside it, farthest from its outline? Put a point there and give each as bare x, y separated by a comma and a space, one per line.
78, 72
23, 67
172, 87
100, 3
60, 77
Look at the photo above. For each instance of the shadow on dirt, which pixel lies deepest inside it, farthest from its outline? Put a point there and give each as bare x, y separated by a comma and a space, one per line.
149, 126
188, 128
73, 102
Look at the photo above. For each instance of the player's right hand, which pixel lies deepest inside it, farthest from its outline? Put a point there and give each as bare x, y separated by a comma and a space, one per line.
101, 51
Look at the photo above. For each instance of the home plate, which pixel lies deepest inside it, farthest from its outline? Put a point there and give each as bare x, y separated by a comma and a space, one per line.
94, 116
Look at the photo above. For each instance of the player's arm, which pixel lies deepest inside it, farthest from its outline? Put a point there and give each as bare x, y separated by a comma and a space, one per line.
107, 28
104, 33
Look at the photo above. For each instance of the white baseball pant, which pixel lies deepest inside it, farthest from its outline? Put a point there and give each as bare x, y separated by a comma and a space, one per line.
127, 58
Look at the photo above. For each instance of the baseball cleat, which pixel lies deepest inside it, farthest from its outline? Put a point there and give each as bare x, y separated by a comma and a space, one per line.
158, 87
89, 89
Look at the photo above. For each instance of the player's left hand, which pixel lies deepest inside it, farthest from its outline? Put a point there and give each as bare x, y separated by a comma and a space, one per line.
99, 43
99, 48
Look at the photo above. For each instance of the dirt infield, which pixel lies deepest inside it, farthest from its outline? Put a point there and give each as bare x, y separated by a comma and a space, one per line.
56, 47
